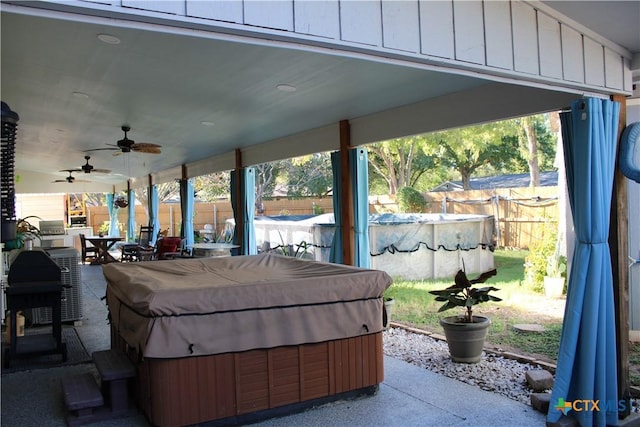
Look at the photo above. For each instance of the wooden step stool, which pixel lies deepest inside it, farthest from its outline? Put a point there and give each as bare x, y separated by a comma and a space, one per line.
87, 401
115, 370
81, 397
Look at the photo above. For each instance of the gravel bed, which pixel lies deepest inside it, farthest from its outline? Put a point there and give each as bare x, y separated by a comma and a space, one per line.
493, 373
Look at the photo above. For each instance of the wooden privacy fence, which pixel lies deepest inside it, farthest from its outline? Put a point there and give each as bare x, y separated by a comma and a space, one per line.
520, 213
216, 213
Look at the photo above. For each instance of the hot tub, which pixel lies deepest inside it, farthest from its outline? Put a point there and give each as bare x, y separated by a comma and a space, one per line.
227, 338
431, 246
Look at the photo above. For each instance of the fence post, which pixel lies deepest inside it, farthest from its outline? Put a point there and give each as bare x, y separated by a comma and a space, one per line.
496, 200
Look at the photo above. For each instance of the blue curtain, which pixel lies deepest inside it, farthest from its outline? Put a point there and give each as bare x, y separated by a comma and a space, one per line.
587, 367
249, 211
359, 164
187, 196
154, 207
113, 216
247, 178
358, 158
131, 216
335, 254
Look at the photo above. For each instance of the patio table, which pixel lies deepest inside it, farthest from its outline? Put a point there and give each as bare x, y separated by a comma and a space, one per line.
213, 249
103, 244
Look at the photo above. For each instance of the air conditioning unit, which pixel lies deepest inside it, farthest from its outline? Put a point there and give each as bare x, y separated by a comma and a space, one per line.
68, 259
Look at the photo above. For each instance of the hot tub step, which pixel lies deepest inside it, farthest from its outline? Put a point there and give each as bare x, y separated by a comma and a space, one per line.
113, 365
115, 370
81, 397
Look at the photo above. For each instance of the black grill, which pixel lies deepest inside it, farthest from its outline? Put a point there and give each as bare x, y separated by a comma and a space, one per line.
35, 281
34, 270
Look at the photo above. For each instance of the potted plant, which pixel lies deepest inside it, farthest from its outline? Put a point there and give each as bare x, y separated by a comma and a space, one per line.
554, 280
466, 333
120, 202
26, 233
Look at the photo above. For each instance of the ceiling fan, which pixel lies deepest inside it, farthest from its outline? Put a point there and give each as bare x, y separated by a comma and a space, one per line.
126, 145
70, 179
87, 168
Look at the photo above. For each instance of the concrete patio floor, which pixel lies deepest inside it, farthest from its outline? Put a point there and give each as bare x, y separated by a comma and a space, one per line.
409, 395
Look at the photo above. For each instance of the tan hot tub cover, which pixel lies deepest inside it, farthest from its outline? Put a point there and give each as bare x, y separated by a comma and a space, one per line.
193, 307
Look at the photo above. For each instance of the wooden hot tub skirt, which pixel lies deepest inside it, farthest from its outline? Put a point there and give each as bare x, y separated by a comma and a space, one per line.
237, 387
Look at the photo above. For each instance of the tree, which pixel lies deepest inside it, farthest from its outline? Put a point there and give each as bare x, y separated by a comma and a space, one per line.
400, 162
468, 149
212, 186
166, 191
536, 144
546, 139
310, 175
91, 199
532, 150
266, 175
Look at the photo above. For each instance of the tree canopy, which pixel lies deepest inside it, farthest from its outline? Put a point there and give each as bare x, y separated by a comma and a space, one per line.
468, 149
400, 162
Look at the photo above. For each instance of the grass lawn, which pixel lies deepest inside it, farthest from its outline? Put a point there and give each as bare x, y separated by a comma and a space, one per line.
414, 306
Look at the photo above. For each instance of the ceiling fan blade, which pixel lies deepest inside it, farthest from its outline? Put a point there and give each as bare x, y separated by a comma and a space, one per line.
103, 149
147, 147
70, 181
94, 170
70, 170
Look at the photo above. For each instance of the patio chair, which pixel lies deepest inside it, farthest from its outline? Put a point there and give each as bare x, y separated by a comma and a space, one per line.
130, 251
89, 252
169, 248
165, 248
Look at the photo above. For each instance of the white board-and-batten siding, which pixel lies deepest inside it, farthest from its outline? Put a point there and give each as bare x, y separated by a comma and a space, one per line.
525, 40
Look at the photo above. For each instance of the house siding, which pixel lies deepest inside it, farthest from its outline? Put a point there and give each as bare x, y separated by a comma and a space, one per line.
523, 40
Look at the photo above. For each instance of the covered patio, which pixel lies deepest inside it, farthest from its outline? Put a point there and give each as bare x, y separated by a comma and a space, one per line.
228, 85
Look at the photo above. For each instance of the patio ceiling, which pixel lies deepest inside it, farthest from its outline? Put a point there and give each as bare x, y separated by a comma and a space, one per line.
196, 95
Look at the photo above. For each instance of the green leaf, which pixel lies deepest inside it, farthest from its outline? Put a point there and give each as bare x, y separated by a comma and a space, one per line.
485, 276
447, 306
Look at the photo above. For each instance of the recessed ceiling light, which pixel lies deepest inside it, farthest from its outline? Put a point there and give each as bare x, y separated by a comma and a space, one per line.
108, 38
286, 88
207, 123
80, 95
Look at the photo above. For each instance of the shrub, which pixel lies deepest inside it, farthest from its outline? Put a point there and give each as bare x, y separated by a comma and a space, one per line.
105, 227
544, 258
410, 200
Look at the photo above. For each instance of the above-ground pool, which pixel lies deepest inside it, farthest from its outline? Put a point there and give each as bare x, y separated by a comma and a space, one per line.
428, 246
406, 246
